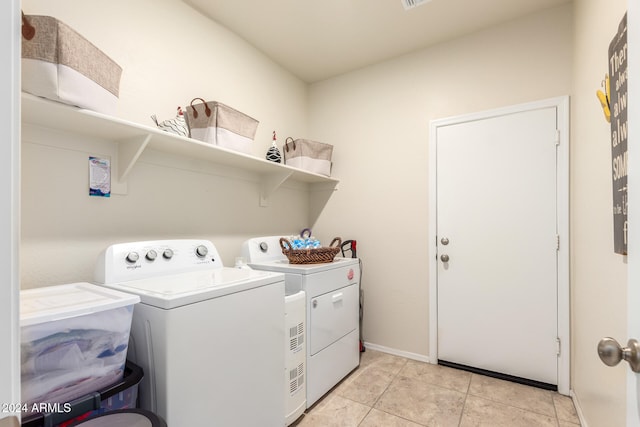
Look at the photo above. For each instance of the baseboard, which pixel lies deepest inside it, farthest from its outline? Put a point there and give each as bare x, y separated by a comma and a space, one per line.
576, 404
395, 352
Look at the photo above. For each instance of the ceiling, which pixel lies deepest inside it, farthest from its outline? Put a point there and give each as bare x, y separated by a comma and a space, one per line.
319, 39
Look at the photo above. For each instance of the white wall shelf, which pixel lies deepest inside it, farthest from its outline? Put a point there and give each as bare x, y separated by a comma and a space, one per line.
132, 139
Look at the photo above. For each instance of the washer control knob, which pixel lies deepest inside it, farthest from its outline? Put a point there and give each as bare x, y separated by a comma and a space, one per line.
201, 251
132, 257
151, 255
167, 254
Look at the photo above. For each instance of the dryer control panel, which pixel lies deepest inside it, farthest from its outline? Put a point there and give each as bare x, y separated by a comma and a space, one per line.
141, 260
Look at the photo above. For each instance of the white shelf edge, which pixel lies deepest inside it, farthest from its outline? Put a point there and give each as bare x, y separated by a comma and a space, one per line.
133, 138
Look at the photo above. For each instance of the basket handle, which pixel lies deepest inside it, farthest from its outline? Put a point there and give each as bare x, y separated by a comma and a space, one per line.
282, 242
286, 142
28, 30
336, 239
207, 110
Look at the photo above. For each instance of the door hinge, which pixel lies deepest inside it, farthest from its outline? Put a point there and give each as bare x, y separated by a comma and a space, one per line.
557, 137
558, 346
557, 242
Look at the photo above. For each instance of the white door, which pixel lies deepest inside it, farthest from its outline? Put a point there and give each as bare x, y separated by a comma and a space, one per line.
633, 182
497, 228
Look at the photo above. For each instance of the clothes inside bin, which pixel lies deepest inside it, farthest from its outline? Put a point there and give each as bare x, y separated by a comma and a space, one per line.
120, 395
73, 341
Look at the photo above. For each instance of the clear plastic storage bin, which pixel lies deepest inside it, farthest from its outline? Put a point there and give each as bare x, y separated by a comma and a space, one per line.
74, 341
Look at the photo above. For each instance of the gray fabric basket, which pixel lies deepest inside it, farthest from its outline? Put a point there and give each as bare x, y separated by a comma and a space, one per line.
60, 64
221, 125
308, 155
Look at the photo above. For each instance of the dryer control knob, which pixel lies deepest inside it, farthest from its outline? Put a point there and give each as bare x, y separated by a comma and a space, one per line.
151, 255
167, 254
201, 251
132, 257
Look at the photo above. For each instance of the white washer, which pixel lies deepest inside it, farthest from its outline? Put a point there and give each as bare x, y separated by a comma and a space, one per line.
332, 310
208, 338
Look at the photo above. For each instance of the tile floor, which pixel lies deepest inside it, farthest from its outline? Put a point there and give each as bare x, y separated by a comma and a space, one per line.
391, 391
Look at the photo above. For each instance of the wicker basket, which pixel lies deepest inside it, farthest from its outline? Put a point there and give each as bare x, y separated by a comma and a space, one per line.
310, 256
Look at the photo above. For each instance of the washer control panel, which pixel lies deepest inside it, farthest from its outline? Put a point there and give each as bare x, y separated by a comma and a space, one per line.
139, 260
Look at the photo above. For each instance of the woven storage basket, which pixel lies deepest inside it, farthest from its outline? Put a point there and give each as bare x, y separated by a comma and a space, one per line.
310, 256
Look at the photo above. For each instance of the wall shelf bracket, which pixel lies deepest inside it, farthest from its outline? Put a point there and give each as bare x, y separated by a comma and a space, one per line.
129, 150
321, 193
127, 153
270, 183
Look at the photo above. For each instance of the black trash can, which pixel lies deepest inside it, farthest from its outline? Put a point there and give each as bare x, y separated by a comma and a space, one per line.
123, 418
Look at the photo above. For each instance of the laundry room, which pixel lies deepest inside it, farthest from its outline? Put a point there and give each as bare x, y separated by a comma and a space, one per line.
377, 118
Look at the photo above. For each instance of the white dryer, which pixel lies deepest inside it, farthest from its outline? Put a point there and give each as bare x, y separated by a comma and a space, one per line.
208, 338
295, 381
332, 310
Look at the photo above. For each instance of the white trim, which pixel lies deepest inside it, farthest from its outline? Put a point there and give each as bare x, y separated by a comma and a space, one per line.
564, 284
633, 193
562, 106
389, 350
576, 404
10, 214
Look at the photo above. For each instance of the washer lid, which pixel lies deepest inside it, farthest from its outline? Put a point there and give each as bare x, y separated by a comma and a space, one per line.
187, 288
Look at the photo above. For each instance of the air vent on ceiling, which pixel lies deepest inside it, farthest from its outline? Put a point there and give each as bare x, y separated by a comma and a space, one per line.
410, 4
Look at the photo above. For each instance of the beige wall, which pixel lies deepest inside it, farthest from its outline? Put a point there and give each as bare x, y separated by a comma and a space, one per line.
169, 54
378, 119
599, 276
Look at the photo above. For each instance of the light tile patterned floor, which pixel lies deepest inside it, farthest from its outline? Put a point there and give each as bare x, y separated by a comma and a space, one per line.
391, 391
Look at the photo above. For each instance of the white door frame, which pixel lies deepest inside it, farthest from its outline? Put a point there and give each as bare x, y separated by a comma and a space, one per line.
633, 183
562, 194
10, 215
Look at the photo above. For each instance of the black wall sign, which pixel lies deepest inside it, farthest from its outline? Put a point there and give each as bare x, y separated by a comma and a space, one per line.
618, 105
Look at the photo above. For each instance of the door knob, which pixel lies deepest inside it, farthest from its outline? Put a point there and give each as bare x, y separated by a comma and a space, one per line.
444, 258
611, 353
